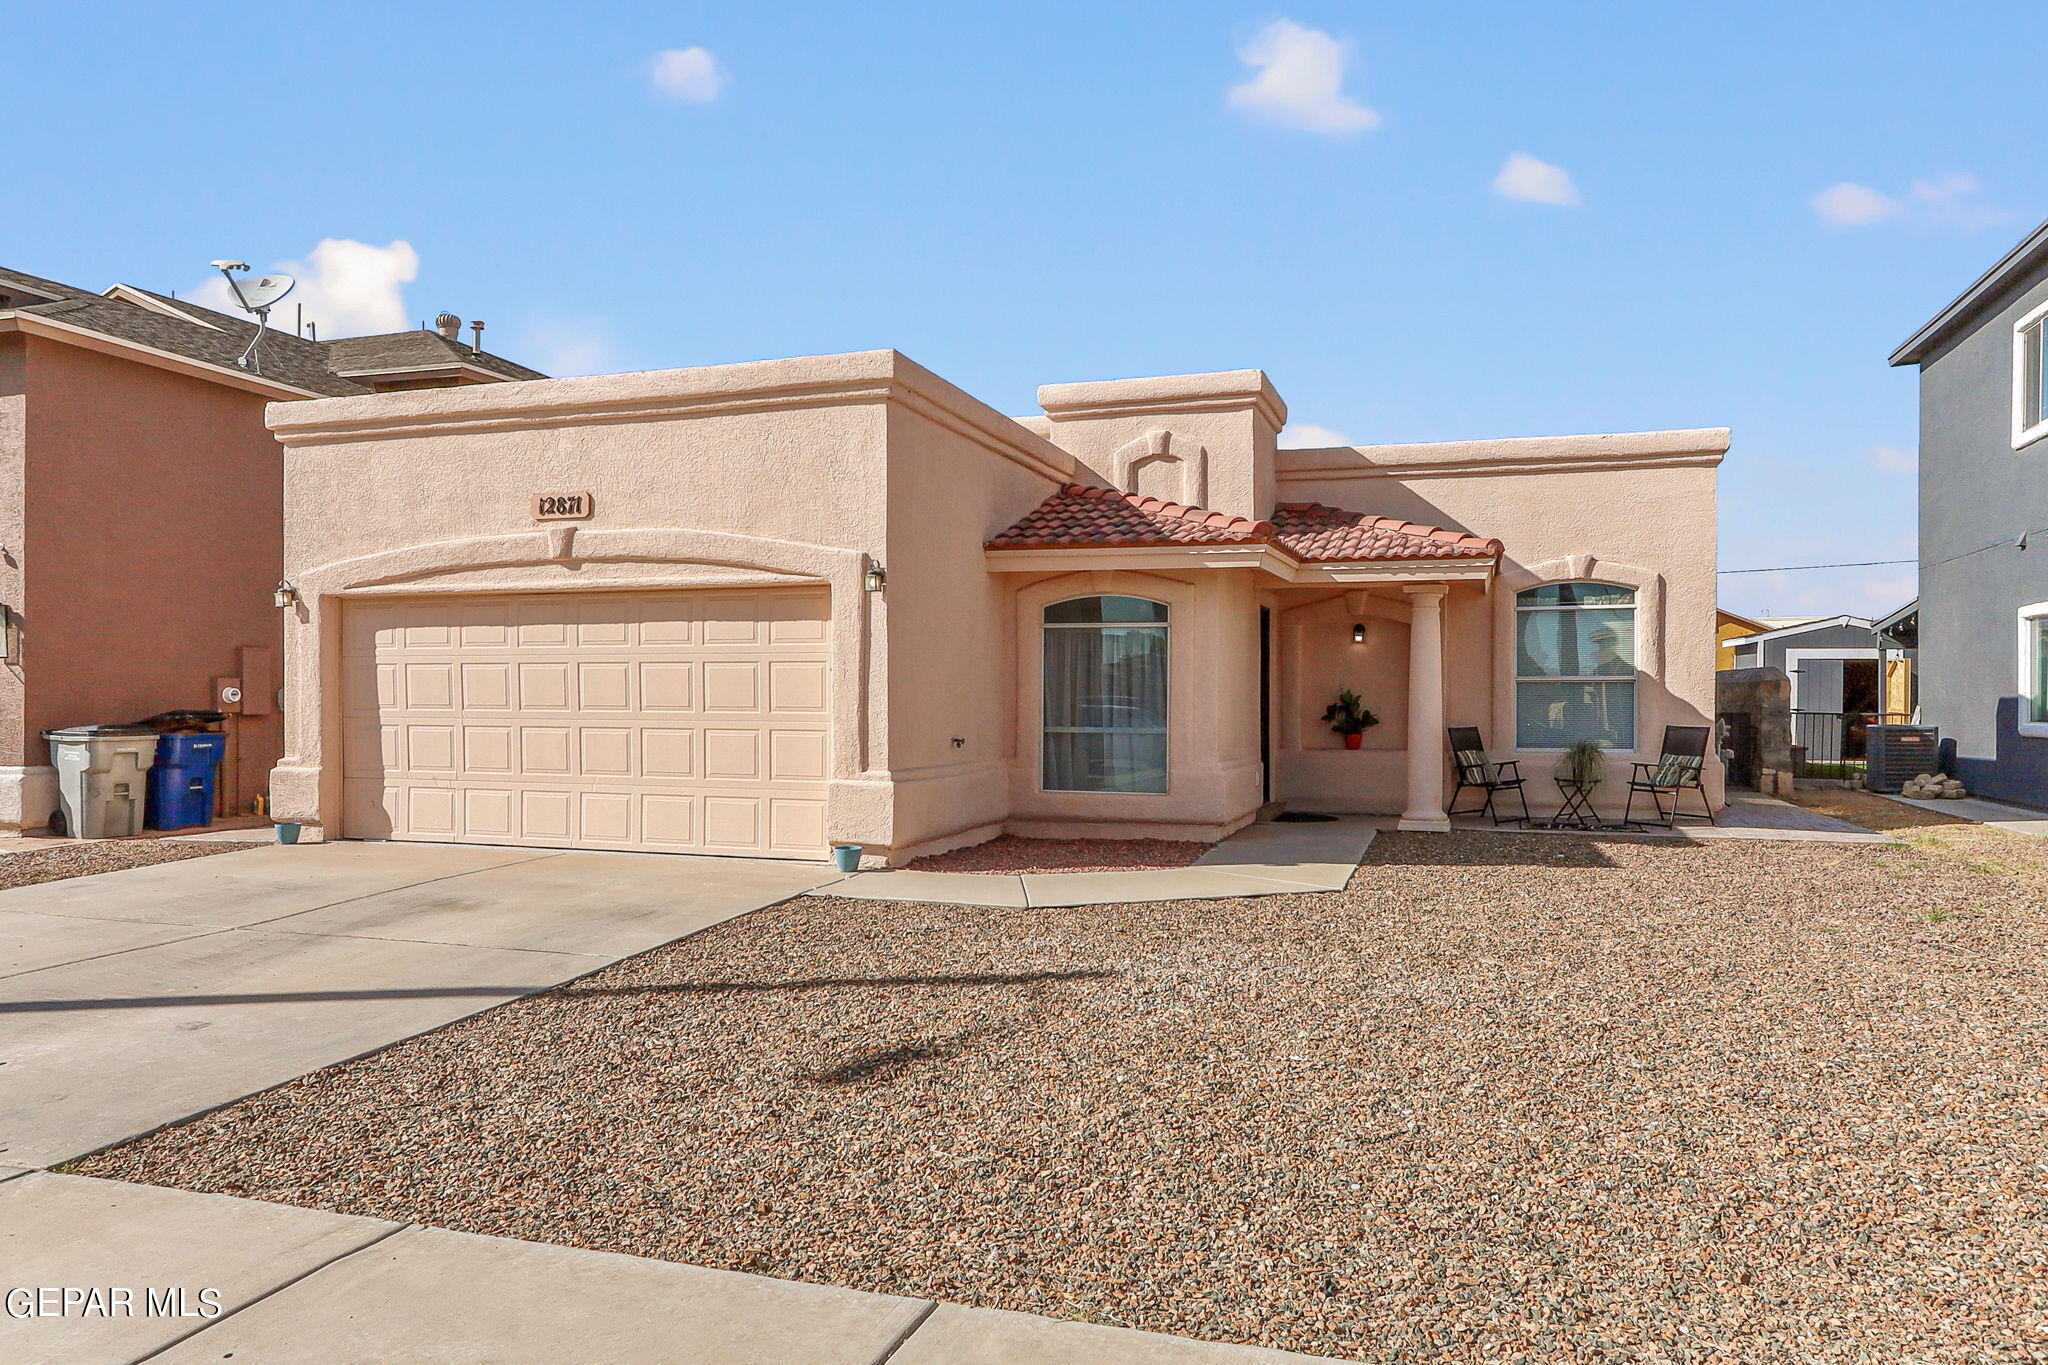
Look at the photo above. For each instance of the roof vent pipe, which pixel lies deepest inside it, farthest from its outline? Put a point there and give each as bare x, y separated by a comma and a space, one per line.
476, 337
449, 326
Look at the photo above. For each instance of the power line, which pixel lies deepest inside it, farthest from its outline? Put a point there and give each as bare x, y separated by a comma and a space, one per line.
1853, 564
2018, 542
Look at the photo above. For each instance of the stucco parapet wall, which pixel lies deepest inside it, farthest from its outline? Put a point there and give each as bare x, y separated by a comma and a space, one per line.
656, 395
1225, 390
1703, 446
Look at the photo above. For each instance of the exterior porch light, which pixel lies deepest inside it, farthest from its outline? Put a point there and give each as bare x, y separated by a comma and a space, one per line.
1358, 633
875, 579
286, 595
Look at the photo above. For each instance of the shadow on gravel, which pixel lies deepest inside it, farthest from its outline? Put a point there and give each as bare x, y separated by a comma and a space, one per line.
1489, 849
886, 1064
833, 983
816, 983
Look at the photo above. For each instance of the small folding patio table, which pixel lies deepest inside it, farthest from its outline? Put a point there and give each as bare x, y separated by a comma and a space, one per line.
1577, 811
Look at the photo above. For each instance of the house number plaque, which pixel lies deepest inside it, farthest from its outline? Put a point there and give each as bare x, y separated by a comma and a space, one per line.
561, 507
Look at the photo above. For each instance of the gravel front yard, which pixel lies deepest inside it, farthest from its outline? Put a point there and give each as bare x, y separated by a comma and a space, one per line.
1508, 1098
86, 857
1012, 855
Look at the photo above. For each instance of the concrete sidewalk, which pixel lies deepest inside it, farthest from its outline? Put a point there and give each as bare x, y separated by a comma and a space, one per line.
1269, 859
133, 999
1992, 814
271, 1283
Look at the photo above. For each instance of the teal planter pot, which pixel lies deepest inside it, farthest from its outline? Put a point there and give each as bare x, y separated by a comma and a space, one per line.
287, 832
846, 857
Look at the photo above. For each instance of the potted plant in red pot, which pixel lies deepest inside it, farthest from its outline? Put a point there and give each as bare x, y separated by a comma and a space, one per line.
1348, 717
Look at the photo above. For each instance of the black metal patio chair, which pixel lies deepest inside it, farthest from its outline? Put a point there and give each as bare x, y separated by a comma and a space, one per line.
1677, 770
1468, 751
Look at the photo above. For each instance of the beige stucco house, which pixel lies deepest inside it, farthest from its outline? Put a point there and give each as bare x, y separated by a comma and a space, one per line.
759, 609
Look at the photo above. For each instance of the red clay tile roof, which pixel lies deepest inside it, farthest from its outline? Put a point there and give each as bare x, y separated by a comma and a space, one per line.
1082, 516
1315, 533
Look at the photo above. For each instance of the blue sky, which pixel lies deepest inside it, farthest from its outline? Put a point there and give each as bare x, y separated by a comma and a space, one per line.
1721, 215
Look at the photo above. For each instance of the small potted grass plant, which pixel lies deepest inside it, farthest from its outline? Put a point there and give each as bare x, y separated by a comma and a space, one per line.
1582, 763
1348, 717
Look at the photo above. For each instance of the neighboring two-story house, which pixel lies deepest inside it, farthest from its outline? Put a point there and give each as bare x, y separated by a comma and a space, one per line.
1983, 607
142, 513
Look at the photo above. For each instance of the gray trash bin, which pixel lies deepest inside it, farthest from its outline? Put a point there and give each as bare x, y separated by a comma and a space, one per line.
101, 777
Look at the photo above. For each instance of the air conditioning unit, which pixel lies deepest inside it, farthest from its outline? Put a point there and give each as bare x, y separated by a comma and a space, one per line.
1899, 752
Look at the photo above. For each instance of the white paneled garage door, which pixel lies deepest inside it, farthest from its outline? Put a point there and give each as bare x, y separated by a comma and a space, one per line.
683, 722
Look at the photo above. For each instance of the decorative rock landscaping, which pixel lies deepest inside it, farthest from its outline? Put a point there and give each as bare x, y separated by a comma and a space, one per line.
1010, 855
1509, 1097
87, 856
1933, 787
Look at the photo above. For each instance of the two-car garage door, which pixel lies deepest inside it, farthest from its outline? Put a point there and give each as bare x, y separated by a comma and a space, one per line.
682, 722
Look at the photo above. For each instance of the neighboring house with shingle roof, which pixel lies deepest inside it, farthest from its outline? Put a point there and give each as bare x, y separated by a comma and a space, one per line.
141, 511
758, 609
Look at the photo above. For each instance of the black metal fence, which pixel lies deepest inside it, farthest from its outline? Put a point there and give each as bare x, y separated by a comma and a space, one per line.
1831, 743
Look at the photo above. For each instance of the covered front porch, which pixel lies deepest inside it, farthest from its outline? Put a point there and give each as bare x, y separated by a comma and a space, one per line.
1250, 629
1382, 636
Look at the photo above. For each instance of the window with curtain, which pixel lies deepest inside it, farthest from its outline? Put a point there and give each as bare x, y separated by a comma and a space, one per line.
1575, 666
1105, 695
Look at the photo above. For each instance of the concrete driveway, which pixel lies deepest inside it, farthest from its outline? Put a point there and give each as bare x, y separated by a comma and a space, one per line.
131, 1000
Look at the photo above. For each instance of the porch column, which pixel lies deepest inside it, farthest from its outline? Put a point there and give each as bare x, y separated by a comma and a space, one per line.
1426, 708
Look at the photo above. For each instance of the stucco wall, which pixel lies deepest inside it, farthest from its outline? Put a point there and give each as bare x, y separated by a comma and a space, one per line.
952, 641
1200, 439
817, 468
1565, 508
780, 471
1977, 491
151, 542
14, 748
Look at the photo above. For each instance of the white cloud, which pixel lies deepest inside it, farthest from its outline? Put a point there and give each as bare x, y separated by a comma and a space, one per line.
1532, 181
1947, 189
1309, 436
349, 288
1892, 460
689, 74
1850, 205
1945, 201
1299, 81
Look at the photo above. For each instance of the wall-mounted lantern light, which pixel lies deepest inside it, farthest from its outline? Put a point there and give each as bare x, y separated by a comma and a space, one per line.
286, 595
1358, 633
875, 579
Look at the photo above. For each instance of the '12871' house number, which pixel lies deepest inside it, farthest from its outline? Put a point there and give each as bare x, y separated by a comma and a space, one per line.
561, 506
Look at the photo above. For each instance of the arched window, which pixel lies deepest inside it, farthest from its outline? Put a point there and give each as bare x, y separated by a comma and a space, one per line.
1575, 665
1105, 695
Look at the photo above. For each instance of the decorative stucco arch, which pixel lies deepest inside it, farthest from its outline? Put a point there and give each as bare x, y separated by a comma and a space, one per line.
1164, 447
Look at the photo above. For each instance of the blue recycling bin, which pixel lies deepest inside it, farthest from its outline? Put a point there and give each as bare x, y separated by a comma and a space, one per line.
180, 792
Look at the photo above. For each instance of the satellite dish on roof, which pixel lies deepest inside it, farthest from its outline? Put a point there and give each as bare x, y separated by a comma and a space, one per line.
255, 296
259, 293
